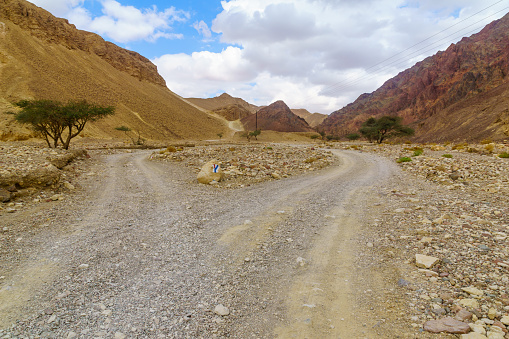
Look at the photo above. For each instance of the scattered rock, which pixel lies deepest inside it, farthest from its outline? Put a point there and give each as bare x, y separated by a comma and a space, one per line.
5, 195
469, 303
448, 325
463, 315
276, 175
425, 261
221, 310
403, 283
473, 335
210, 172
473, 291
301, 262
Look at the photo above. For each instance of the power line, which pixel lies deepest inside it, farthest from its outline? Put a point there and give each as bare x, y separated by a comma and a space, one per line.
352, 80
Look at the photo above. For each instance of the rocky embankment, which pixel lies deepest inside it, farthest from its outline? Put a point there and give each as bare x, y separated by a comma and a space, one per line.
36, 174
243, 165
448, 226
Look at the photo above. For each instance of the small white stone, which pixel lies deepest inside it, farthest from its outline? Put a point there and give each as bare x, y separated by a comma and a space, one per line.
52, 319
425, 261
473, 290
221, 310
471, 303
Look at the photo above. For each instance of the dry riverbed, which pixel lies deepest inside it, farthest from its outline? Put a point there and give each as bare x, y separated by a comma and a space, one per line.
454, 210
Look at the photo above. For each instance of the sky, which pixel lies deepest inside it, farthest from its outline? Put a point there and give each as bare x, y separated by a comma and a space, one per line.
314, 54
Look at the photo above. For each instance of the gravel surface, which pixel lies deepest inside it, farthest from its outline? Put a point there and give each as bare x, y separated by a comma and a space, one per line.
139, 249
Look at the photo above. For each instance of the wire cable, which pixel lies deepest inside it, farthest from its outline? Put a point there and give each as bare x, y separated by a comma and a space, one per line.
348, 82
334, 88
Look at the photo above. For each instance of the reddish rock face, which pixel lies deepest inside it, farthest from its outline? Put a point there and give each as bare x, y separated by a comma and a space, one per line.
447, 87
276, 117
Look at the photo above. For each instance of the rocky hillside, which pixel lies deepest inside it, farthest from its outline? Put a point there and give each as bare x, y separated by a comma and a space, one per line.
276, 117
222, 101
313, 119
43, 57
233, 112
460, 93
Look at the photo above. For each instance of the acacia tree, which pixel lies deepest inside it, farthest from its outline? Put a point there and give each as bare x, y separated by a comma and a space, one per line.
51, 118
384, 128
44, 116
77, 113
126, 130
255, 133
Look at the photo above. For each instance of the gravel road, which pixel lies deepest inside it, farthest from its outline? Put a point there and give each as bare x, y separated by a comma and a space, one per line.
142, 251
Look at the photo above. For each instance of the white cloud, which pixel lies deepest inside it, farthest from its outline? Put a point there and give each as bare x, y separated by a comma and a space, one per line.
317, 54
314, 54
58, 7
203, 29
120, 23
202, 72
127, 23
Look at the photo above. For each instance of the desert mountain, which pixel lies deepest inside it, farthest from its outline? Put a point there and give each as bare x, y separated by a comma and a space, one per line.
276, 117
458, 94
232, 112
43, 57
313, 119
222, 101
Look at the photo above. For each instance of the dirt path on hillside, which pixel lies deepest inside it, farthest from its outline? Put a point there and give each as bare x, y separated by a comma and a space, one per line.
143, 251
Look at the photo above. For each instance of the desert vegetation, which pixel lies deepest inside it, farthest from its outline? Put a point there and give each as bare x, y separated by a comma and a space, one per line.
56, 121
378, 130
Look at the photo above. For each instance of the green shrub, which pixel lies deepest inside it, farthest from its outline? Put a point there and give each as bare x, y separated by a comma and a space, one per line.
447, 155
504, 155
315, 136
403, 159
353, 136
418, 152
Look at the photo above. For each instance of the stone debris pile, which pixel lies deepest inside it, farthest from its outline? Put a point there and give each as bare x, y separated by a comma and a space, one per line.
243, 165
33, 174
450, 236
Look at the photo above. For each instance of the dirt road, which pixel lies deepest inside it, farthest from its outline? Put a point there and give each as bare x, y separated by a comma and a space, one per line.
144, 251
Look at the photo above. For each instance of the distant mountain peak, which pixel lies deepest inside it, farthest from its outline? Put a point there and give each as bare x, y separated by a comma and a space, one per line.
276, 117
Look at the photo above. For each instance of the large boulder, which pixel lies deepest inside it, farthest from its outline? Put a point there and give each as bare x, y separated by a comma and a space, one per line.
448, 325
61, 160
210, 172
5, 195
40, 176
